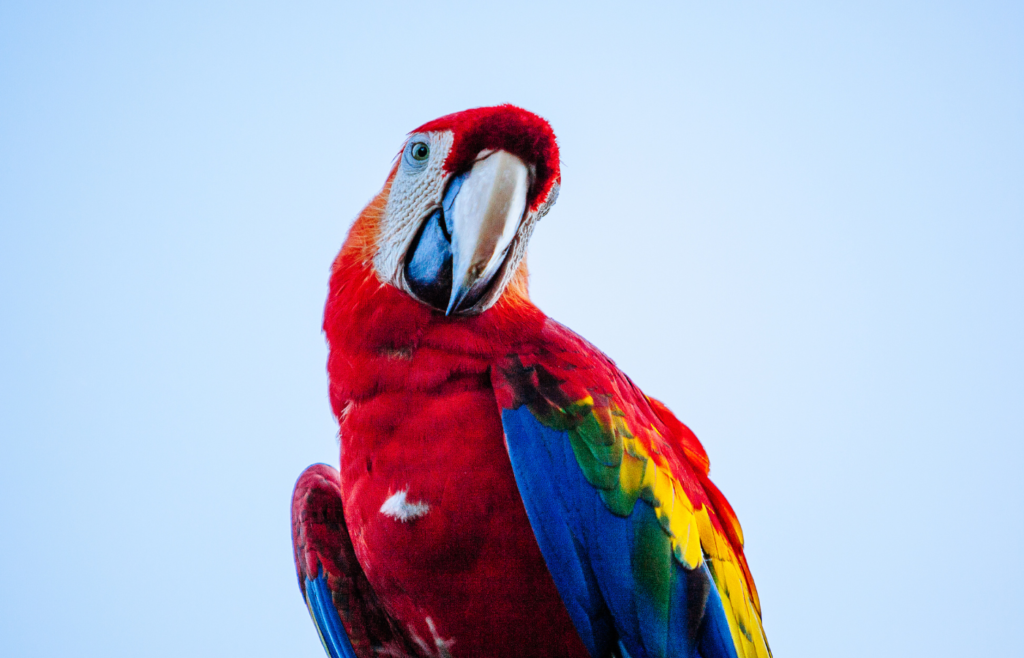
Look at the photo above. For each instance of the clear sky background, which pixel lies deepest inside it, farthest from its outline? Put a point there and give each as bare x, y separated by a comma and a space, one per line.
799, 225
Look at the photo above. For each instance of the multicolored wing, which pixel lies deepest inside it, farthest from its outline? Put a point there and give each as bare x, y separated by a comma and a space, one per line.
349, 617
646, 552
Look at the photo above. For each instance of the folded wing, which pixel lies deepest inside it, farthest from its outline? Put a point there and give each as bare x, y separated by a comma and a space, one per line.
646, 552
348, 615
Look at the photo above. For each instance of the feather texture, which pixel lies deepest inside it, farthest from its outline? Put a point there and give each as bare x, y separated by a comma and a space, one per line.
504, 489
627, 493
348, 615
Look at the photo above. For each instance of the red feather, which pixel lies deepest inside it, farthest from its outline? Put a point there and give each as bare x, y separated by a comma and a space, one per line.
417, 413
413, 393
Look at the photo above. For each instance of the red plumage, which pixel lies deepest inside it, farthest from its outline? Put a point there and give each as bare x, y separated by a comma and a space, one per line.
418, 396
404, 382
322, 543
417, 412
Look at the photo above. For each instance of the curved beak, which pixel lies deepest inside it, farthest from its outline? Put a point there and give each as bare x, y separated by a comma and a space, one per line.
485, 217
462, 245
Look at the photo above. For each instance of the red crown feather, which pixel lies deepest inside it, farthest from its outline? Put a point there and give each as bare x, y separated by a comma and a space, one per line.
508, 128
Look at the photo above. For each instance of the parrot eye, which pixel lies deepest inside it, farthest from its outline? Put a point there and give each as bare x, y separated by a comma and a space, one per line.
417, 153
420, 151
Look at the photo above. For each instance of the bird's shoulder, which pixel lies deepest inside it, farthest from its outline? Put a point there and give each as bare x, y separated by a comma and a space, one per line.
567, 383
629, 445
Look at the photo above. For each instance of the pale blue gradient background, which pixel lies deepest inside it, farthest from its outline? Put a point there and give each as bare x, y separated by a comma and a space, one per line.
800, 226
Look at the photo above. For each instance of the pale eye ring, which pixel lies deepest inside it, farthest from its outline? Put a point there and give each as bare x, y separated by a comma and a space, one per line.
419, 151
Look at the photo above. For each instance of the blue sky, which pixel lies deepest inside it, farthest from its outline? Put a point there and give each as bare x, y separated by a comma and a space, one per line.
799, 225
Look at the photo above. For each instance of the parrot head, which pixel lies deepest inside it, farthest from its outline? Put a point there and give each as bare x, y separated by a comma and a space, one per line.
462, 201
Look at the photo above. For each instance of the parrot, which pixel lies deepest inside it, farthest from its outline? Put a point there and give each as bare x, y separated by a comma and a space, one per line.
503, 488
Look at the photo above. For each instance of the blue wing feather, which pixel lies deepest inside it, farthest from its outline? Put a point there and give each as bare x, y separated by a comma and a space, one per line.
591, 552
325, 616
715, 638
559, 543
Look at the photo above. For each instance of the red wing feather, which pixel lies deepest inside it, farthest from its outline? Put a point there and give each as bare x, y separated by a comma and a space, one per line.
322, 546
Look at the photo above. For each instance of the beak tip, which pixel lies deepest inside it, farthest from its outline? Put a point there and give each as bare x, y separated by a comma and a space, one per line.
485, 216
458, 294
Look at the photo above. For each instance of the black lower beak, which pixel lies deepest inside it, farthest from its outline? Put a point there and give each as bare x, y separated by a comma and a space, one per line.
428, 267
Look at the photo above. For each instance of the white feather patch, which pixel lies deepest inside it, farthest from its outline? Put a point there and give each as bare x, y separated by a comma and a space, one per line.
398, 508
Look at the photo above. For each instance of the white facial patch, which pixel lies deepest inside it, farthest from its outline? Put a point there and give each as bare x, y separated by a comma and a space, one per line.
415, 193
400, 509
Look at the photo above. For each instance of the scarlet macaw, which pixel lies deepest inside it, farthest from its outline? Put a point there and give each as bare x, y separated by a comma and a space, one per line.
504, 489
